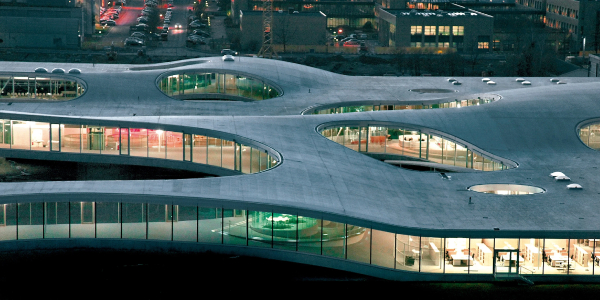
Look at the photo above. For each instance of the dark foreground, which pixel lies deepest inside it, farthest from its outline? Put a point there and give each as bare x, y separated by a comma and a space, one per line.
113, 273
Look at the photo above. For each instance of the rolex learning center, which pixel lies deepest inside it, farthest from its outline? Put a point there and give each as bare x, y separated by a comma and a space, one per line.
401, 178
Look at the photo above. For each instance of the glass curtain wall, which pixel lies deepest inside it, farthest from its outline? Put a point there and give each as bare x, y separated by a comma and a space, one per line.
412, 143
41, 88
291, 232
590, 135
379, 107
140, 142
216, 83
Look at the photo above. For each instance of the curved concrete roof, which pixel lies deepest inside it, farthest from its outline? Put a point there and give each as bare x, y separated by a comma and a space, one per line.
534, 126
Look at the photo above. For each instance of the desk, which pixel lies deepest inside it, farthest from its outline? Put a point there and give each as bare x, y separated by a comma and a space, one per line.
512, 260
560, 260
462, 260
37, 143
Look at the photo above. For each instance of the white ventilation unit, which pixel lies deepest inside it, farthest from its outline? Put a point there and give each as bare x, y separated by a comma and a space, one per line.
574, 186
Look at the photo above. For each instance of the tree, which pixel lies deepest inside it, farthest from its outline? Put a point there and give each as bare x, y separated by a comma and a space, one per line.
284, 29
452, 61
402, 60
473, 51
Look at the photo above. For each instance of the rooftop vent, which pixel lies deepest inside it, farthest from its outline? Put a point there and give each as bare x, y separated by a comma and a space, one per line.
520, 79
562, 178
554, 80
554, 174
574, 186
485, 79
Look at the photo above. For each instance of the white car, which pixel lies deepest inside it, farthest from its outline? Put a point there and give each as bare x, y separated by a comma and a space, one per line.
228, 58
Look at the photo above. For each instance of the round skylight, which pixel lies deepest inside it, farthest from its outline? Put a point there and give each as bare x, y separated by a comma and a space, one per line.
506, 189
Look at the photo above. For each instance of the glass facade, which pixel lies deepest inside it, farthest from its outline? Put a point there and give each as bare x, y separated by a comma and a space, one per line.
590, 135
141, 142
291, 232
380, 107
38, 87
414, 143
212, 84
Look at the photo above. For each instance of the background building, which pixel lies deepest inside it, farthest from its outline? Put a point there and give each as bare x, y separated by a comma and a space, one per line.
289, 28
463, 30
347, 14
45, 23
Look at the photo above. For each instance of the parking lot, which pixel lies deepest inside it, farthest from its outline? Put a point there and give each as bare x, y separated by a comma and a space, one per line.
174, 40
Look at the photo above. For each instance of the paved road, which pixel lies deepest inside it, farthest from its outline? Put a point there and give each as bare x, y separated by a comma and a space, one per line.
180, 14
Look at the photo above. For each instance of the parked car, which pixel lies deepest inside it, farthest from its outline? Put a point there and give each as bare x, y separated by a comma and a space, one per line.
139, 35
132, 41
195, 40
197, 25
199, 21
228, 58
352, 44
347, 39
201, 33
139, 27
